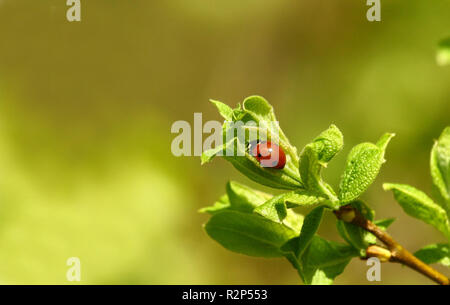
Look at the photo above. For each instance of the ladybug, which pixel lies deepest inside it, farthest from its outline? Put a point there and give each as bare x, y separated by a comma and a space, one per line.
268, 154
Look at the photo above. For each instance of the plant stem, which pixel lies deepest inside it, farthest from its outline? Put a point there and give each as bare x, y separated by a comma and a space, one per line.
399, 254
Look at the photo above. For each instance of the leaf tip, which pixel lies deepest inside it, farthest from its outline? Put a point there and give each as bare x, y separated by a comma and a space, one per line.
443, 52
225, 111
388, 186
205, 158
384, 140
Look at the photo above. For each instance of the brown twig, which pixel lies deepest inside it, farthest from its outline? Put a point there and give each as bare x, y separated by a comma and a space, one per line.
397, 254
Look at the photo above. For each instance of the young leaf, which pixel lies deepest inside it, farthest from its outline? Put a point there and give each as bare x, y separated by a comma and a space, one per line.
248, 234
310, 169
323, 260
260, 111
443, 52
275, 209
222, 204
317, 260
316, 156
249, 166
259, 108
383, 142
417, 204
208, 155
328, 144
294, 220
244, 198
435, 253
225, 111
236, 136
363, 164
440, 168
383, 224
310, 226
239, 197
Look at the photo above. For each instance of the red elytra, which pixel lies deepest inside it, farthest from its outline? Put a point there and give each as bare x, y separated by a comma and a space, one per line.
269, 154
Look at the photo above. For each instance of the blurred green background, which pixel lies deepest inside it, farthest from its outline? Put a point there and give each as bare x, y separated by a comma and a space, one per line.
86, 109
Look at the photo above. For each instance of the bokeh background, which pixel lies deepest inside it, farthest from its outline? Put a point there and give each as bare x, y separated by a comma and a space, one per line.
86, 109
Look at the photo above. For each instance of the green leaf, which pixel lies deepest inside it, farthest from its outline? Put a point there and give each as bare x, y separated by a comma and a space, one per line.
310, 169
208, 155
294, 220
225, 111
440, 168
222, 204
443, 52
324, 260
275, 209
248, 234
239, 197
355, 236
363, 164
317, 260
435, 253
383, 142
383, 224
314, 157
310, 226
417, 204
328, 144
257, 110
250, 167
244, 198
